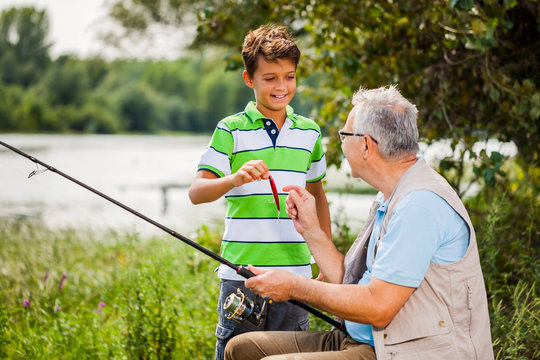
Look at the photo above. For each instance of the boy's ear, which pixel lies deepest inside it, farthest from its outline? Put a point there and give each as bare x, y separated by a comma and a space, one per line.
247, 79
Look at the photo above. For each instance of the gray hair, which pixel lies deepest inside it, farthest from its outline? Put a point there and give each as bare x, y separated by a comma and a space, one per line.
389, 118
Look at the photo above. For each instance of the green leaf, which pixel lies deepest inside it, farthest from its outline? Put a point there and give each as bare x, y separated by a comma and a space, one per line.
494, 93
465, 4
478, 27
496, 156
489, 176
508, 4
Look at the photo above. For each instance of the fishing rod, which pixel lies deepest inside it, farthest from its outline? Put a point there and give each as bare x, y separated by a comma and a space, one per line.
239, 306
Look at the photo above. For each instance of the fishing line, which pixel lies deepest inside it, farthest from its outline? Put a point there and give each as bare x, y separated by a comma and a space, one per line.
241, 270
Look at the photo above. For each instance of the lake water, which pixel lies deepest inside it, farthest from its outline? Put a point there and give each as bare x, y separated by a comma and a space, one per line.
150, 174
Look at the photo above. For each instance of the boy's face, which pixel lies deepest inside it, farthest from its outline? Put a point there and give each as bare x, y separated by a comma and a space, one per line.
274, 84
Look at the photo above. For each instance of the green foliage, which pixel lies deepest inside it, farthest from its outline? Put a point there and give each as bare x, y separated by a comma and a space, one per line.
65, 82
151, 317
505, 217
518, 322
23, 48
210, 238
460, 62
95, 118
96, 96
122, 297
5, 332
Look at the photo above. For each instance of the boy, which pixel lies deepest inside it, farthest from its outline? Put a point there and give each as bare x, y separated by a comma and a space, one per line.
267, 138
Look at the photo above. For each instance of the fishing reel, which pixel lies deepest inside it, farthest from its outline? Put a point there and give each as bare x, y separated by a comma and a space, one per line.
241, 308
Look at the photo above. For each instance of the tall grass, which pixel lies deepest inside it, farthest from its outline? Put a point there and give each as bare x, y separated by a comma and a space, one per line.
506, 220
121, 297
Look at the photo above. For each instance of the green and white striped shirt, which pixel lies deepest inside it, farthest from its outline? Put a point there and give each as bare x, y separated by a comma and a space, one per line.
254, 232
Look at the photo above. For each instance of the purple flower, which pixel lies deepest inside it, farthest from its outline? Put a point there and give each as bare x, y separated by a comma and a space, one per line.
57, 308
46, 277
61, 285
100, 307
27, 302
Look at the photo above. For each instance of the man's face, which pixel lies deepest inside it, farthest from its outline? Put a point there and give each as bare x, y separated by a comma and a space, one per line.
352, 147
274, 84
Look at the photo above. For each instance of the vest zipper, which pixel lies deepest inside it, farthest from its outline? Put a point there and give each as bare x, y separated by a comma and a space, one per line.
469, 295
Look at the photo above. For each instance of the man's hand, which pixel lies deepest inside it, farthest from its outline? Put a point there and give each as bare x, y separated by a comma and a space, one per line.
251, 170
274, 283
302, 210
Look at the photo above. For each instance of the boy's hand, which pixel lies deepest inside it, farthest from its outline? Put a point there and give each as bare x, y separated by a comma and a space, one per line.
251, 170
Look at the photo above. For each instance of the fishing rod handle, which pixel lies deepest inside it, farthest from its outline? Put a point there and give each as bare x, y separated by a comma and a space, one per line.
243, 271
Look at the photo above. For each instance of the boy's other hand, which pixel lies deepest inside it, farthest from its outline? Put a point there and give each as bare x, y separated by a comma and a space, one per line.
251, 170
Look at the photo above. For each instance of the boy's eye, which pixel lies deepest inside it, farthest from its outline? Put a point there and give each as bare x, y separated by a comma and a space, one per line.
269, 79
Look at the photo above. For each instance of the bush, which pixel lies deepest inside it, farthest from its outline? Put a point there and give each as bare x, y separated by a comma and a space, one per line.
505, 218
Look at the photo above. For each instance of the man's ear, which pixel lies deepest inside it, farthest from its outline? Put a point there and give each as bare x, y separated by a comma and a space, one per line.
247, 79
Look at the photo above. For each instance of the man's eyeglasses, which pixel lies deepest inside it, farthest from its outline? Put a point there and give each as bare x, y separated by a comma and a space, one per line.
343, 134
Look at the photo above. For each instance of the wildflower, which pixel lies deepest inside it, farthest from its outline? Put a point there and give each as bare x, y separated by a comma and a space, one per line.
100, 307
46, 277
61, 285
27, 302
57, 308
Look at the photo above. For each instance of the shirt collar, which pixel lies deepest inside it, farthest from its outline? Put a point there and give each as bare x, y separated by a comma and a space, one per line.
381, 201
254, 114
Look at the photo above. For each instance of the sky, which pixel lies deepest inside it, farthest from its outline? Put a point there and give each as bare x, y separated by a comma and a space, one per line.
76, 25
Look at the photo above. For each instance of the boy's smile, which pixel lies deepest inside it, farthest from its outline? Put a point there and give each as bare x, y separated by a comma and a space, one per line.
274, 84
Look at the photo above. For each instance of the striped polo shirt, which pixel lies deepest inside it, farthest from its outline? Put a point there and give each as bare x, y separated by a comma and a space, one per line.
254, 231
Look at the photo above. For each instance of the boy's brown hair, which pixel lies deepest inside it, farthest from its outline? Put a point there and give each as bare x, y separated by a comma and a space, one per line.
272, 42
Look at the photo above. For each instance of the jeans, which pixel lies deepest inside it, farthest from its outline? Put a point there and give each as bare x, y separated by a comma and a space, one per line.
279, 316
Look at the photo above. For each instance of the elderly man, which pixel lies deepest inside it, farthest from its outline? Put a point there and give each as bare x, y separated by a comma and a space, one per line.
411, 286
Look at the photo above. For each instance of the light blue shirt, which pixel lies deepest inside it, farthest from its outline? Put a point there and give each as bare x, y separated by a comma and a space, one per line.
423, 229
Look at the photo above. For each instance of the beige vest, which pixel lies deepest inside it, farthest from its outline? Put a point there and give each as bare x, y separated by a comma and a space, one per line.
446, 317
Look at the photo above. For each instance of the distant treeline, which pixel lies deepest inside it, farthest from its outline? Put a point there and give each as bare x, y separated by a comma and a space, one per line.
68, 94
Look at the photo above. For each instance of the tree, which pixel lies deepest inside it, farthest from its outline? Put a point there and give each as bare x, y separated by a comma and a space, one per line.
24, 51
140, 110
471, 67
65, 82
